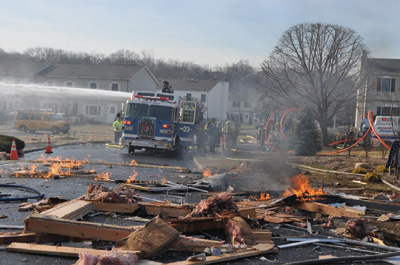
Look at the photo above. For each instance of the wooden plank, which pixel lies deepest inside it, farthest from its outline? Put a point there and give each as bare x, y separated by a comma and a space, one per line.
39, 224
261, 236
262, 249
183, 243
196, 224
329, 210
67, 251
72, 210
115, 207
247, 212
33, 237
172, 210
54, 250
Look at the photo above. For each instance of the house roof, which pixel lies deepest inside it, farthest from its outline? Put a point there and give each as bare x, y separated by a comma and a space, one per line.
95, 71
21, 68
199, 85
385, 65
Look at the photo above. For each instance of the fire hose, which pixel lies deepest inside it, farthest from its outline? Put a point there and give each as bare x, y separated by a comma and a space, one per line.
371, 127
24, 188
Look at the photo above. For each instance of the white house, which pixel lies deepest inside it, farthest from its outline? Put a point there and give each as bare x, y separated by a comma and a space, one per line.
212, 93
122, 78
381, 93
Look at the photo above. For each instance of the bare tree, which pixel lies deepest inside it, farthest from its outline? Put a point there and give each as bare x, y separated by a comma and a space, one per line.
315, 65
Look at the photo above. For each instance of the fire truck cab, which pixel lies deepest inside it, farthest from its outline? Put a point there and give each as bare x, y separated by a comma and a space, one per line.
158, 121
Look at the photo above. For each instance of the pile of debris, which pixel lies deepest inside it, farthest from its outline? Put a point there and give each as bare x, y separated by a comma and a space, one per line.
222, 227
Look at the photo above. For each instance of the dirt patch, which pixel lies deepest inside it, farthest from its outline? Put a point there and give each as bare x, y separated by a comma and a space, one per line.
340, 163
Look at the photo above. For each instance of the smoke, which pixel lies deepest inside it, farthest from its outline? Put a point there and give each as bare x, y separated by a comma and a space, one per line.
270, 172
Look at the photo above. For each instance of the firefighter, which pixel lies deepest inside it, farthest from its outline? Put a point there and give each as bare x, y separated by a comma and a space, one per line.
213, 136
227, 135
235, 133
166, 87
117, 126
201, 136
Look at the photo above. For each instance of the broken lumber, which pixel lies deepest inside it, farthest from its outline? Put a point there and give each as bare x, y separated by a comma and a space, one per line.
71, 210
329, 210
184, 243
197, 223
257, 250
170, 209
44, 224
67, 251
53, 250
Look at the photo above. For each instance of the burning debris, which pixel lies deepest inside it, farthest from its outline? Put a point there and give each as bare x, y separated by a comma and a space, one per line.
302, 188
217, 205
120, 194
219, 182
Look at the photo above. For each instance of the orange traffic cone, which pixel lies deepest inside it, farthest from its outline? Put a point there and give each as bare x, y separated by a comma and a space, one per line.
13, 153
48, 147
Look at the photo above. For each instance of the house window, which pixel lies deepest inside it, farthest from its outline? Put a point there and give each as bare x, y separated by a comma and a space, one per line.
388, 111
115, 87
189, 96
92, 110
69, 84
235, 104
93, 85
247, 104
203, 97
386, 84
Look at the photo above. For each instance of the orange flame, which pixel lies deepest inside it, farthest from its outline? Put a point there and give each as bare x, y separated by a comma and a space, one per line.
132, 177
164, 180
302, 187
102, 177
264, 197
134, 163
55, 169
32, 169
207, 173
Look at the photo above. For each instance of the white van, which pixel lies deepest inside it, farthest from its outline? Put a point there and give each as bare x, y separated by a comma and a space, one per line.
387, 127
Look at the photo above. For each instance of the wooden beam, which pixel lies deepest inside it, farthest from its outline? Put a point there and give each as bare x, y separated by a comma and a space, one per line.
67, 251
329, 210
197, 224
261, 236
54, 250
115, 207
33, 237
43, 224
71, 210
171, 209
260, 249
183, 243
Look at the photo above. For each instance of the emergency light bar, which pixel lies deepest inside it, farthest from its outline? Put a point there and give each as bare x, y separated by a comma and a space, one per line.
151, 98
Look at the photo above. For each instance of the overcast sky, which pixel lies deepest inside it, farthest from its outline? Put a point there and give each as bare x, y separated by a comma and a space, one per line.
205, 32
